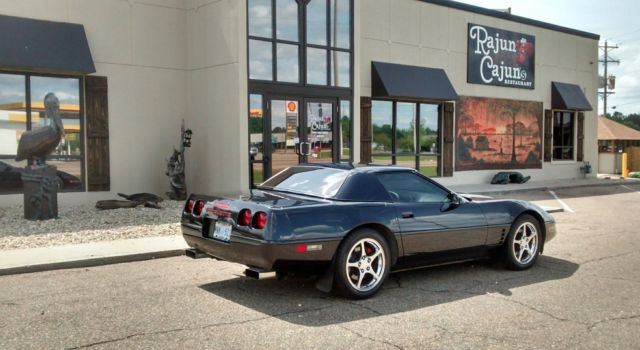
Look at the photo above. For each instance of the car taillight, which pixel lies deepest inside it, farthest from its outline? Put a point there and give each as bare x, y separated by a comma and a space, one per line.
260, 220
190, 204
244, 218
198, 208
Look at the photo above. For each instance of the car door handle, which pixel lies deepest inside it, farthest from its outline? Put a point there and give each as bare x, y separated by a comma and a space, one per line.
407, 215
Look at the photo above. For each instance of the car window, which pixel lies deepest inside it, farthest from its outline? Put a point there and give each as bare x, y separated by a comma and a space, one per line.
409, 187
315, 181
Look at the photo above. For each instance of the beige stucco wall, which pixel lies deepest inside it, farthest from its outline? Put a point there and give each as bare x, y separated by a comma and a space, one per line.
140, 46
416, 33
217, 97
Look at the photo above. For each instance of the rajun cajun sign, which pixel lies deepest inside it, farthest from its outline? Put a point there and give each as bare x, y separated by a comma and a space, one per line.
500, 57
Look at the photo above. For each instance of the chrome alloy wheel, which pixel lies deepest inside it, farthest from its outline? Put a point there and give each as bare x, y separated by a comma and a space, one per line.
365, 265
525, 243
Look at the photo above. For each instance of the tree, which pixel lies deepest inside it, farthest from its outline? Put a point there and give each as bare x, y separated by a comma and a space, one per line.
465, 121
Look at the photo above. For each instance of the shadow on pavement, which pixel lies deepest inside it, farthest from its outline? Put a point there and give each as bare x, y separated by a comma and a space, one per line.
297, 301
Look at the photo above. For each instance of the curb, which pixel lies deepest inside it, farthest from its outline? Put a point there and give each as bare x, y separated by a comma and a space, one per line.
90, 262
547, 188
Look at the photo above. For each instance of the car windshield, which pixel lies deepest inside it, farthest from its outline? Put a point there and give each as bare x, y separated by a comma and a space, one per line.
314, 181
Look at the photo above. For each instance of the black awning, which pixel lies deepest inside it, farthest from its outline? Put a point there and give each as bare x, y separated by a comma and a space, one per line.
568, 96
410, 82
44, 46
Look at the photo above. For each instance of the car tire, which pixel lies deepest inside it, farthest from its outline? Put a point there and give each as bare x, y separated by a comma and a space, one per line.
358, 275
523, 244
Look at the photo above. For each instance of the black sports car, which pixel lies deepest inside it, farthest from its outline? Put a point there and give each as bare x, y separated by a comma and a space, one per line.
357, 224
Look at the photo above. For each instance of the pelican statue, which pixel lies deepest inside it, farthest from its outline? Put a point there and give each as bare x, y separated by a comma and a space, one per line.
38, 143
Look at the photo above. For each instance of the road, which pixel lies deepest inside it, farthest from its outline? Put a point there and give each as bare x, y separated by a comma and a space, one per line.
584, 292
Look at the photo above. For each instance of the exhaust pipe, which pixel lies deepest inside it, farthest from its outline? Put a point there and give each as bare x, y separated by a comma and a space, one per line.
258, 273
195, 254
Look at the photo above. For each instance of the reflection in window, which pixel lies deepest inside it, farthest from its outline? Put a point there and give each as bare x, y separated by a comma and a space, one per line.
316, 66
345, 130
287, 20
406, 134
13, 122
260, 60
287, 60
67, 157
382, 121
256, 145
19, 112
416, 140
317, 22
340, 19
340, 69
260, 18
428, 138
563, 135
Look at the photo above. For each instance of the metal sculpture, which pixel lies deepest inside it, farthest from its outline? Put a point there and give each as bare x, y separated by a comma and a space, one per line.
38, 144
176, 167
40, 180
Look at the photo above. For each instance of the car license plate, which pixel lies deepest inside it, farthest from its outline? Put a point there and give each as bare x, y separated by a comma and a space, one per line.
222, 231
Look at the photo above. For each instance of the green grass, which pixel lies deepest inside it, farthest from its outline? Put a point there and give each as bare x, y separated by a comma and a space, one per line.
403, 158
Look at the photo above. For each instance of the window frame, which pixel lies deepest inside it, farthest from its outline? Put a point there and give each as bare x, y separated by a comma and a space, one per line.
81, 114
574, 136
417, 145
302, 45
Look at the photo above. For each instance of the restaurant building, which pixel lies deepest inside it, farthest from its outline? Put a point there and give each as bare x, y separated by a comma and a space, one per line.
456, 91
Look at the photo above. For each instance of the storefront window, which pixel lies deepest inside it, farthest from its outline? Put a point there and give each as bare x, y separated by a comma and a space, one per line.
563, 125
260, 18
340, 28
19, 113
287, 58
317, 22
316, 66
256, 144
260, 60
340, 69
345, 130
428, 136
382, 125
287, 20
416, 140
326, 49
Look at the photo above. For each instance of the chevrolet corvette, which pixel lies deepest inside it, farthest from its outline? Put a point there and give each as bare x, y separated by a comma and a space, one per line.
356, 225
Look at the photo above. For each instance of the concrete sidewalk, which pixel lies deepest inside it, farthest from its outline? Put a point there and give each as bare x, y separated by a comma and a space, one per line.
543, 185
89, 254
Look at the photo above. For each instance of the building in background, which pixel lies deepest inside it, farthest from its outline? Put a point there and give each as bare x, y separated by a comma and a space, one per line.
456, 91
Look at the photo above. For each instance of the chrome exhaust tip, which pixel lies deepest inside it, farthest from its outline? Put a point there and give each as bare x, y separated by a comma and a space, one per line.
258, 273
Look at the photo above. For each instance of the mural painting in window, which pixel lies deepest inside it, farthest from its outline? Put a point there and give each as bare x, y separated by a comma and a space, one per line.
498, 134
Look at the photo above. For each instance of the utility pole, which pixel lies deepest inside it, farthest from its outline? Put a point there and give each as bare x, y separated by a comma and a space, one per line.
606, 60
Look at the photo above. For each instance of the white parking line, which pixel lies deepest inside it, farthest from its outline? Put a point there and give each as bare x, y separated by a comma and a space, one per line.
562, 203
629, 188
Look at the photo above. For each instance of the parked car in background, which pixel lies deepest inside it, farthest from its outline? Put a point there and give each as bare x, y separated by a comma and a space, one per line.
355, 225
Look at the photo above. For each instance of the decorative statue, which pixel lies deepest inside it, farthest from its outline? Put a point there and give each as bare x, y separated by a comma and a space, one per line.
40, 180
37, 144
176, 167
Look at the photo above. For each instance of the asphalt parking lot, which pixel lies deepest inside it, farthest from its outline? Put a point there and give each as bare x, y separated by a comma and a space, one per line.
584, 292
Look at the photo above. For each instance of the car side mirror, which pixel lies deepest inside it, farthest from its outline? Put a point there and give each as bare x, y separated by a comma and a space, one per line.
453, 201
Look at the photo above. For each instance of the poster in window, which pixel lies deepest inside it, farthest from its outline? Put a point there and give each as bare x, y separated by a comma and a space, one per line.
500, 57
497, 134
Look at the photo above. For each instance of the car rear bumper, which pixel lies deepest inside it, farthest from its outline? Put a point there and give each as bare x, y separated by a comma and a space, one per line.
256, 252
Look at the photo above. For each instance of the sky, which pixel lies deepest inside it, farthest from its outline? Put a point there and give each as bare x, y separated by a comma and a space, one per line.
617, 21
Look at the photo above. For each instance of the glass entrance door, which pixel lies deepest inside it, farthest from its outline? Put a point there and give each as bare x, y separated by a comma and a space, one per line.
295, 130
284, 134
319, 130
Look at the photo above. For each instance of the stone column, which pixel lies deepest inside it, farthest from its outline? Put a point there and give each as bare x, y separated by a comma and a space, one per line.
40, 192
